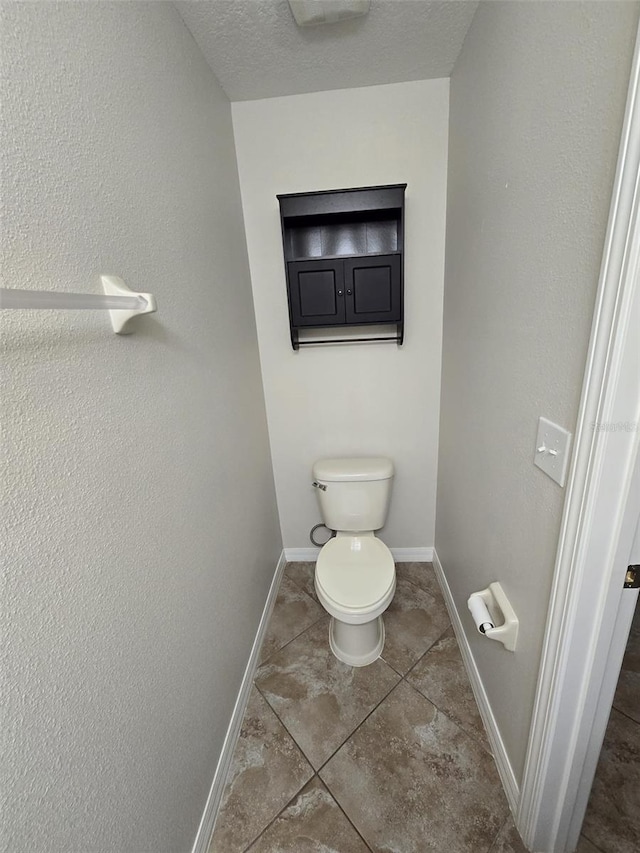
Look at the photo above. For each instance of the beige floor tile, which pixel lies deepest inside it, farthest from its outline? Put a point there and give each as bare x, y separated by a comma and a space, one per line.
410, 780
293, 612
508, 840
319, 699
585, 846
312, 823
413, 622
267, 770
420, 574
612, 821
303, 575
441, 677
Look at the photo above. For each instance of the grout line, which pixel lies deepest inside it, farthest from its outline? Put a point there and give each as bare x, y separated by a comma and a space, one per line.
431, 645
297, 794
426, 651
284, 725
624, 714
304, 592
261, 663
360, 724
590, 842
442, 710
416, 585
391, 667
351, 823
342, 743
473, 737
492, 846
273, 820
300, 587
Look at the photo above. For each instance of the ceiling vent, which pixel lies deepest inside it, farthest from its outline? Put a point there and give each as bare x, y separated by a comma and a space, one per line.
310, 13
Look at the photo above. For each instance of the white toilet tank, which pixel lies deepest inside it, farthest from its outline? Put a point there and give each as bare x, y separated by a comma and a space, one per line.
354, 492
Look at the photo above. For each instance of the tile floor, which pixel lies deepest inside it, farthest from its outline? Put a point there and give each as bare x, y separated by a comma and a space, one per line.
390, 758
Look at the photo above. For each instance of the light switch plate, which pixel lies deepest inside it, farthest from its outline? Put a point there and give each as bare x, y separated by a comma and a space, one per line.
552, 450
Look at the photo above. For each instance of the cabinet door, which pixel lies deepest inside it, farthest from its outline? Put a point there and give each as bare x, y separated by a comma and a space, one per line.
316, 292
373, 288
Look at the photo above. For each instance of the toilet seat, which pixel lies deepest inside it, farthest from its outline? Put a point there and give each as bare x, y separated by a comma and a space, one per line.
355, 574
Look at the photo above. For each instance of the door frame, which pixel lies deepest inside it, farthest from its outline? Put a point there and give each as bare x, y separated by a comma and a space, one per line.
589, 613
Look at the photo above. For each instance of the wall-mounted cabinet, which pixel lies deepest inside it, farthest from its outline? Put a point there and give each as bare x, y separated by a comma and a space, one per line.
343, 257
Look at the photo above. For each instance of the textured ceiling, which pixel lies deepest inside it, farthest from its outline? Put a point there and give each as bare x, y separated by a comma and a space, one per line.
256, 50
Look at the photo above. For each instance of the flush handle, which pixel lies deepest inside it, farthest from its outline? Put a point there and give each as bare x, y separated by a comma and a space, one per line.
317, 485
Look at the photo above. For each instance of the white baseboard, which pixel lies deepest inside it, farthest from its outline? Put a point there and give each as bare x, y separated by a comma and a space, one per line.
412, 555
207, 822
301, 555
505, 770
400, 555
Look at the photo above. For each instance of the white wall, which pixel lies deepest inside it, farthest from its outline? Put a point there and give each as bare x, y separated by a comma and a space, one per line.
537, 99
357, 399
140, 526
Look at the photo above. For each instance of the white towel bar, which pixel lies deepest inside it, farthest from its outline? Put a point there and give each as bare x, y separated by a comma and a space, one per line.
122, 303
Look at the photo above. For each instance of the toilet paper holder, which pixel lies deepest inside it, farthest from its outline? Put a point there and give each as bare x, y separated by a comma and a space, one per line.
501, 614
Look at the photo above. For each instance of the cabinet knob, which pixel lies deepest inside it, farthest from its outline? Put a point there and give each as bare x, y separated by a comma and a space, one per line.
339, 293
348, 293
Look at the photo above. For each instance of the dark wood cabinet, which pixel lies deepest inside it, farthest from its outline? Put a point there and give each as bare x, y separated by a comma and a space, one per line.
355, 291
316, 292
373, 289
343, 256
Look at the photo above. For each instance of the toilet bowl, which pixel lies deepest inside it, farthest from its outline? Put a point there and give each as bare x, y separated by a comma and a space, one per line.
355, 581
355, 577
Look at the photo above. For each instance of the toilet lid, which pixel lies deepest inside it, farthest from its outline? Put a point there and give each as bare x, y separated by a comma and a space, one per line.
355, 571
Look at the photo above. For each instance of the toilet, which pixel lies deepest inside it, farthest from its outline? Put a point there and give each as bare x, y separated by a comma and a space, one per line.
355, 576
